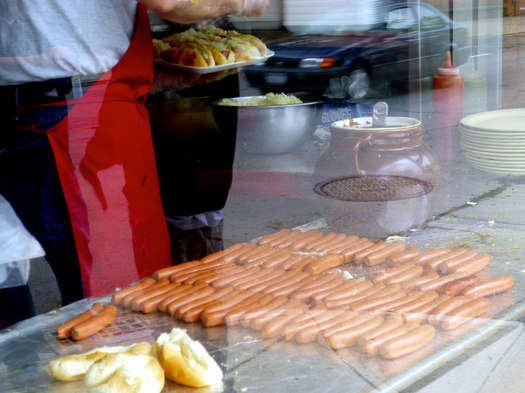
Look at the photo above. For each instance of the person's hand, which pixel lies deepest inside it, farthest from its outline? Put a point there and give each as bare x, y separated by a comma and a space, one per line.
253, 7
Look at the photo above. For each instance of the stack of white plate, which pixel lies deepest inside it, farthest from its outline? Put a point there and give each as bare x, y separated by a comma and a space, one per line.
494, 141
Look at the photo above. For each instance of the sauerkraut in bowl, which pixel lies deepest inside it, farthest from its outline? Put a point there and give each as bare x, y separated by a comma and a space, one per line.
267, 99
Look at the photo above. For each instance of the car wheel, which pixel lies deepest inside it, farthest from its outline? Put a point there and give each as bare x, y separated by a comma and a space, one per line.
358, 83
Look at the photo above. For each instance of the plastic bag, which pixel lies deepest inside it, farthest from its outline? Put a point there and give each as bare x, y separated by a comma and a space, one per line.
17, 248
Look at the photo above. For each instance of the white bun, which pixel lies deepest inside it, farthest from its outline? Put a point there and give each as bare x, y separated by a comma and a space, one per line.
186, 361
74, 367
125, 373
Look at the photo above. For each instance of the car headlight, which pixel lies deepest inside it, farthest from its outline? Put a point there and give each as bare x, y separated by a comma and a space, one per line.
317, 62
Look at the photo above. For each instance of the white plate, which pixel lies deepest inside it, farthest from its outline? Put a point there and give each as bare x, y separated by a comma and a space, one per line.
505, 120
209, 70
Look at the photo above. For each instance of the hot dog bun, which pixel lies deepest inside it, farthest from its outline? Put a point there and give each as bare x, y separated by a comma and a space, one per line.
125, 372
186, 361
74, 367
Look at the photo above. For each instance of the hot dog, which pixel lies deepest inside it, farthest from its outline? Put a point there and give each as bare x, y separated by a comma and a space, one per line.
339, 244
444, 309
416, 282
64, 330
299, 266
168, 271
162, 286
336, 241
322, 293
391, 322
425, 256
272, 236
119, 295
406, 275
360, 256
288, 288
466, 312
276, 259
126, 300
416, 303
489, 287
256, 320
175, 294
419, 314
233, 256
473, 265
349, 323
444, 266
381, 256
371, 345
309, 333
347, 337
264, 282
223, 305
349, 289
404, 256
409, 342
145, 304
390, 272
310, 321
322, 289
200, 291
192, 271
457, 286
437, 260
191, 311
437, 283
324, 263
234, 315
230, 279
348, 252
152, 304
256, 311
374, 302
393, 304
220, 254
314, 245
243, 259
95, 324
290, 235
248, 281
306, 238
290, 262
220, 272
289, 278
275, 325
348, 301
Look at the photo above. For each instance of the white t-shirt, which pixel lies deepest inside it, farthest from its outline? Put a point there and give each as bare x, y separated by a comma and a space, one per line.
48, 39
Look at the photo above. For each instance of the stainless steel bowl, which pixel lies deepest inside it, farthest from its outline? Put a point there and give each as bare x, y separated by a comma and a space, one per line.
270, 129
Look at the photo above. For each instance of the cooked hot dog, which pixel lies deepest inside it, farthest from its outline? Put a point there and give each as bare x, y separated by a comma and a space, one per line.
126, 300
256, 311
324, 263
489, 287
257, 320
352, 249
445, 266
472, 266
457, 286
221, 254
372, 344
314, 245
348, 301
233, 256
230, 279
168, 271
329, 318
437, 283
321, 289
392, 305
274, 326
177, 293
345, 338
288, 278
95, 324
360, 256
390, 272
272, 236
406, 275
306, 238
466, 312
404, 256
391, 322
348, 289
421, 313
416, 303
200, 291
451, 255
145, 304
409, 342
276, 259
336, 241
64, 330
255, 254
445, 308
290, 235
211, 276
425, 256
119, 295
339, 244
368, 304
381, 256
251, 280
294, 260
349, 323
191, 311
416, 282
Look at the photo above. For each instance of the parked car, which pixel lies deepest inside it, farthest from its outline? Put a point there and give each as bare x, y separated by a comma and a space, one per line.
410, 40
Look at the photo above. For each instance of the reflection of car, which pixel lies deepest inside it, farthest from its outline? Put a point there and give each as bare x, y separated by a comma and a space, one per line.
409, 41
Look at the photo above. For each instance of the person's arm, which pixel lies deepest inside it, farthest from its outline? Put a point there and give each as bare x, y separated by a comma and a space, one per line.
191, 11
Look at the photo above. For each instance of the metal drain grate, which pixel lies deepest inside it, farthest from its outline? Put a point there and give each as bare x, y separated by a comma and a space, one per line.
373, 188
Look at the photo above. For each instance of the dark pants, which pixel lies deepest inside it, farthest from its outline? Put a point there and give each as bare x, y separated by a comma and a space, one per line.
29, 181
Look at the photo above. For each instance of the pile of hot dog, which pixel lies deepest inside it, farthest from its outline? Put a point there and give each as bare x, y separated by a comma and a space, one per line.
291, 283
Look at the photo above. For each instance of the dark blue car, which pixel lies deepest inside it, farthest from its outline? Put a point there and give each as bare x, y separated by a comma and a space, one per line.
409, 41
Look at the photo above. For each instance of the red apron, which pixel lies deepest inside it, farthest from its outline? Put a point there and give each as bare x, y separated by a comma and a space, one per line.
108, 174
